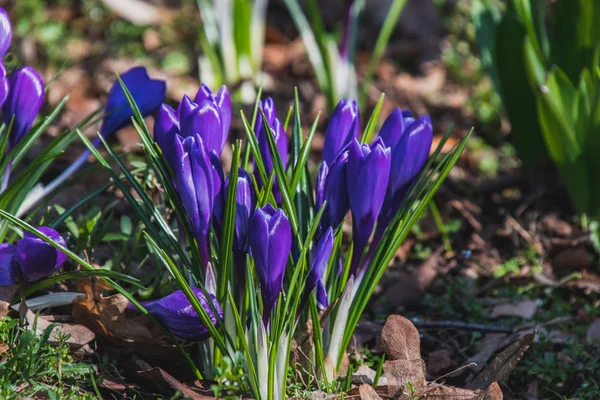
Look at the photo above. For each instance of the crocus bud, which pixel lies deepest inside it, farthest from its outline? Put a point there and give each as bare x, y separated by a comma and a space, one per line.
31, 259
24, 100
281, 140
166, 126
408, 158
178, 315
5, 32
194, 173
316, 274
245, 204
332, 187
394, 126
147, 93
3, 84
222, 100
270, 238
204, 120
367, 175
342, 128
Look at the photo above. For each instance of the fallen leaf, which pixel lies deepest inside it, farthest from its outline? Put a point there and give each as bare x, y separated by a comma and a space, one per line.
503, 364
79, 335
162, 378
7, 293
524, 309
105, 315
366, 392
593, 332
399, 373
400, 339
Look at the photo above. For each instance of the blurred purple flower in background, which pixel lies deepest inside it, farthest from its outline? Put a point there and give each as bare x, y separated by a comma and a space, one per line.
31, 259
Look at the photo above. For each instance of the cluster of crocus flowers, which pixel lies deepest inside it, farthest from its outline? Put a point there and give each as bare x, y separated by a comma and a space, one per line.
31, 258
370, 180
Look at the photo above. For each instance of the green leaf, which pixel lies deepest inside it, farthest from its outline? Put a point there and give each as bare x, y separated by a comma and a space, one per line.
485, 17
517, 96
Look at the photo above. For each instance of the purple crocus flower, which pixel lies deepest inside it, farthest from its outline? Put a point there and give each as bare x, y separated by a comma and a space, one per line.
245, 204
177, 314
24, 100
166, 126
332, 187
409, 154
316, 274
394, 126
209, 116
3, 84
268, 107
223, 102
342, 128
194, 173
5, 32
31, 259
367, 173
270, 238
148, 95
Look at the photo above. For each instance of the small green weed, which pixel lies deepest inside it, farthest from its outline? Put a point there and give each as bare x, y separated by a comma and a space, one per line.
32, 366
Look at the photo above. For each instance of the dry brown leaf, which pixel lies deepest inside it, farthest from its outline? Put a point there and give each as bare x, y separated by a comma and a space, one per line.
105, 315
366, 392
79, 335
400, 339
401, 372
503, 364
443, 392
7, 293
524, 309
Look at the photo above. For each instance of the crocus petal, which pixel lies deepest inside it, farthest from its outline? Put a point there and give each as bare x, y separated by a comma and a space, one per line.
202, 170
394, 126
336, 193
367, 178
3, 84
166, 126
180, 318
270, 238
205, 121
319, 263
245, 203
55, 237
5, 32
218, 190
222, 101
411, 154
185, 108
8, 268
36, 259
147, 93
25, 98
342, 128
408, 160
185, 182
